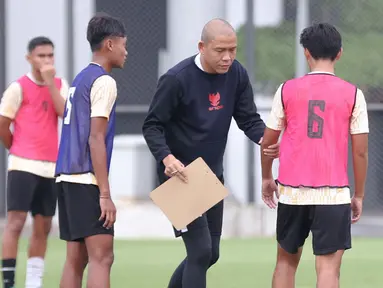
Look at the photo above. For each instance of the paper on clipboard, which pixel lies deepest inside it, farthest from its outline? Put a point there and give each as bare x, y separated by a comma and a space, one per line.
181, 202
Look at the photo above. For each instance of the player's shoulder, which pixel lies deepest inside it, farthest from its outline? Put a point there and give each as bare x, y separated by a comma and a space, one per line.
294, 80
92, 74
359, 95
14, 85
14, 88
353, 88
104, 87
107, 79
104, 80
93, 70
21, 81
343, 81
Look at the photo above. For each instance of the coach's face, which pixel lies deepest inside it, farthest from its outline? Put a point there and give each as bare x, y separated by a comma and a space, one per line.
41, 56
220, 52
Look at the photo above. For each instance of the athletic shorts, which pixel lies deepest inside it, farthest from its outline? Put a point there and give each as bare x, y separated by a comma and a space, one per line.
29, 192
79, 211
212, 219
330, 226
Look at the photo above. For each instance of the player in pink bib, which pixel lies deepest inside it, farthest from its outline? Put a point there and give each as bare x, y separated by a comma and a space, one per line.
317, 113
32, 104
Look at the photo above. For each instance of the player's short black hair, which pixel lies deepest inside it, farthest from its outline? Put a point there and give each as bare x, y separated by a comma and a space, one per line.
39, 41
322, 40
101, 27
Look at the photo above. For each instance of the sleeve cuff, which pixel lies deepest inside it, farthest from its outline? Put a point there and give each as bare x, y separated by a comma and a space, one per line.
8, 115
274, 127
93, 115
163, 155
355, 132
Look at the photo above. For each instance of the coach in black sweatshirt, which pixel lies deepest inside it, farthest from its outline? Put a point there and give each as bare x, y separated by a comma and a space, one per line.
190, 117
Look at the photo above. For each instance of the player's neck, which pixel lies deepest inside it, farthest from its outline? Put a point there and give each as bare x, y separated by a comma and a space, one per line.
37, 76
323, 66
100, 60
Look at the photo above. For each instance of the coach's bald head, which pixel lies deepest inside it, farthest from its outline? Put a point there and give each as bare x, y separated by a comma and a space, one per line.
218, 46
216, 27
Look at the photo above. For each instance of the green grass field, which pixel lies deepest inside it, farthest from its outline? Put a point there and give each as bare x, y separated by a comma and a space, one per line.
243, 264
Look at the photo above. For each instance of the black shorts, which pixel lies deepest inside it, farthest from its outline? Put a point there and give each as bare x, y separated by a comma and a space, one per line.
330, 226
79, 211
29, 192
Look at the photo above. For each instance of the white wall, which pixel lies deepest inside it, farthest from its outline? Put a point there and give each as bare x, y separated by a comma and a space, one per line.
185, 21
26, 19
82, 12
266, 12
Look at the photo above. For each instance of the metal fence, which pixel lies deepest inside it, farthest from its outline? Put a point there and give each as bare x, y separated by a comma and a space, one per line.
278, 57
145, 21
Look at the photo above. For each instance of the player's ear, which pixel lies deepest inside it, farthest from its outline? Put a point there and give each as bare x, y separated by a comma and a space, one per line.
307, 54
28, 57
339, 54
109, 44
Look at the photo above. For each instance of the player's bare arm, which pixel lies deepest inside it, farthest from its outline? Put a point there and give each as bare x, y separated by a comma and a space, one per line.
5, 132
249, 120
97, 146
48, 72
360, 163
10, 104
359, 139
275, 124
268, 184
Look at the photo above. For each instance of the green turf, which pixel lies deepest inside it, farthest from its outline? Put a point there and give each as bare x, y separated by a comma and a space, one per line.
243, 264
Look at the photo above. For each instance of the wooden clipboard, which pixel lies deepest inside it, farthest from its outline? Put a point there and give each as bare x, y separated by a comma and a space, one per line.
181, 202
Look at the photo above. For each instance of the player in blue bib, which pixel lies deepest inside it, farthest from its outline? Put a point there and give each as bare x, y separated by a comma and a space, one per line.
86, 210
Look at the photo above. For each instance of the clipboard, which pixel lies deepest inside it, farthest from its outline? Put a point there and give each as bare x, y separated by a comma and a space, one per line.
181, 202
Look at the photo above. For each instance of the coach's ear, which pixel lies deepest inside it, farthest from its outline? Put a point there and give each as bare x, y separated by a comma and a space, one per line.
201, 47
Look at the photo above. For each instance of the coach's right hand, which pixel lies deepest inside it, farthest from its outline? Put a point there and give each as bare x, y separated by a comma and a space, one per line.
173, 167
108, 212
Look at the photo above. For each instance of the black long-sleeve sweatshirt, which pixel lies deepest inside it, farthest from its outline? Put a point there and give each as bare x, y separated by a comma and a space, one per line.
191, 112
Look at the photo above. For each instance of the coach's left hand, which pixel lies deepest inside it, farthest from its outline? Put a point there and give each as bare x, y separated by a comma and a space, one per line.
272, 151
48, 72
